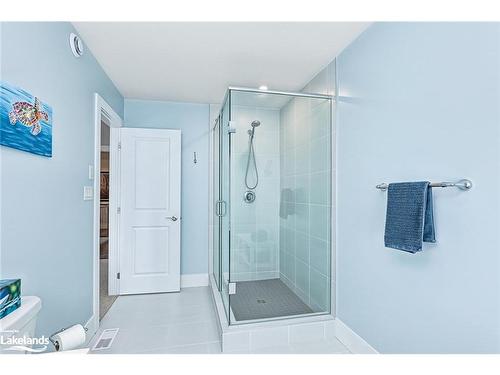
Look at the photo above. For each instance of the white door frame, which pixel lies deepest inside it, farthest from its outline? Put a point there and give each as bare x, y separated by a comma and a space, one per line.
103, 111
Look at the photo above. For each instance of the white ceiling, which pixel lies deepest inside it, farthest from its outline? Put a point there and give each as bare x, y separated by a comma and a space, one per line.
195, 62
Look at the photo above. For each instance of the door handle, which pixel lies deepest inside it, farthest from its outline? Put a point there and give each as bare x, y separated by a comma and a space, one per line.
173, 218
218, 211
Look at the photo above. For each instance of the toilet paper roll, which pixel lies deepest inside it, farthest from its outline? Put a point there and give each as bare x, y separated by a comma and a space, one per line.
70, 338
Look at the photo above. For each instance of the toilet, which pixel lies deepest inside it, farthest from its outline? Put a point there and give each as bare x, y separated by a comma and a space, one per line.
21, 322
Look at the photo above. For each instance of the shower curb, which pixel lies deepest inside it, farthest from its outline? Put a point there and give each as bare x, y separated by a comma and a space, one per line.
250, 337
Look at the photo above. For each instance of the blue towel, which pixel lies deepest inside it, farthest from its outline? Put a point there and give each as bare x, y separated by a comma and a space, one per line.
409, 219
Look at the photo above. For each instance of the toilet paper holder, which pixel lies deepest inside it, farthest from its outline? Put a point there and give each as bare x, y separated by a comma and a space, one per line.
54, 342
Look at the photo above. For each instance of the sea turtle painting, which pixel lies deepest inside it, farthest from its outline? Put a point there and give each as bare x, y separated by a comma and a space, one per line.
29, 115
25, 121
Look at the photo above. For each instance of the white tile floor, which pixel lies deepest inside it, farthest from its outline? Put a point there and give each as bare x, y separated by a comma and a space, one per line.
179, 323
314, 347
182, 322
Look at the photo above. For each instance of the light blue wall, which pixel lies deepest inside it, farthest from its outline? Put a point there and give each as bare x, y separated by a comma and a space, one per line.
192, 119
46, 226
421, 101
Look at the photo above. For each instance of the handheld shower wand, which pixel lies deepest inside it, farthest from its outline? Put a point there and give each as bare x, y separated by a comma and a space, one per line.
250, 195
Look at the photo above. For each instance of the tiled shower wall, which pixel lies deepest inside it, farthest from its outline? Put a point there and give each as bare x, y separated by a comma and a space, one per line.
255, 226
306, 170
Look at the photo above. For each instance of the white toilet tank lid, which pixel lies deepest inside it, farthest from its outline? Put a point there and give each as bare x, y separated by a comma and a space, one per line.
30, 306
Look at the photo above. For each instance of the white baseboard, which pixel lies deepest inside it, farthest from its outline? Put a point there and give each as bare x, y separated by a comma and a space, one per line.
192, 280
355, 343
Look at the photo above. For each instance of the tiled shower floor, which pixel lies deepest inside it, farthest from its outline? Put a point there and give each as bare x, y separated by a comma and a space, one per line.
265, 299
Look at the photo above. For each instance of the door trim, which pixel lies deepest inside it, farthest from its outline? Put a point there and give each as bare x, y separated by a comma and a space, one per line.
114, 203
102, 110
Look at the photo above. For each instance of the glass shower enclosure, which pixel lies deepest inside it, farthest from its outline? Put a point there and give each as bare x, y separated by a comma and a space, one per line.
272, 185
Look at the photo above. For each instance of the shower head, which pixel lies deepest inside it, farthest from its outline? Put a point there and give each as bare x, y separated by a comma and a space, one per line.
255, 123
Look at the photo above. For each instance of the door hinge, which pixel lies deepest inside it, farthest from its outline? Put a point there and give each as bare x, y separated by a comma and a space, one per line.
118, 275
119, 210
119, 146
231, 127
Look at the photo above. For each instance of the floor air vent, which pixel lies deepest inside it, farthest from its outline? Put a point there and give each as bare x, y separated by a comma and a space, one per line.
106, 339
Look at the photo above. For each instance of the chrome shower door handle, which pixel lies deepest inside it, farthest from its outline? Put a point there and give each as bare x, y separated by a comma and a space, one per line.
223, 204
218, 206
173, 218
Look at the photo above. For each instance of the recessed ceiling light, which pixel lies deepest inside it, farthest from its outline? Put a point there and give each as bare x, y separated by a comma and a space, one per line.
263, 87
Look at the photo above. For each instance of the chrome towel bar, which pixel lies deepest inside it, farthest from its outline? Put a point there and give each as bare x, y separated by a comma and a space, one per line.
462, 185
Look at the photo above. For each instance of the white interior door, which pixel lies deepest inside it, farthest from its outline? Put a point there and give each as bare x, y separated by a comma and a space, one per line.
150, 210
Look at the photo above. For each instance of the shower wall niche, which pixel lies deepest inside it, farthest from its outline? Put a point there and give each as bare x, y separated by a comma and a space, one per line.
272, 255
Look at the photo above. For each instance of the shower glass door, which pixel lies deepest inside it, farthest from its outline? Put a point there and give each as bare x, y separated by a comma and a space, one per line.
224, 205
221, 229
217, 198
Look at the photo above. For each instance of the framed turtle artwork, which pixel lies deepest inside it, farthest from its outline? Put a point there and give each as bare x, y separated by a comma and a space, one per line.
25, 121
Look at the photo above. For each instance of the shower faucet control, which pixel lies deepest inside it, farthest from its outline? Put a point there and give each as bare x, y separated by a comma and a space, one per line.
249, 196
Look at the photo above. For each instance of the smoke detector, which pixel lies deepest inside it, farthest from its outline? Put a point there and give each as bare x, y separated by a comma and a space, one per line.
76, 45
